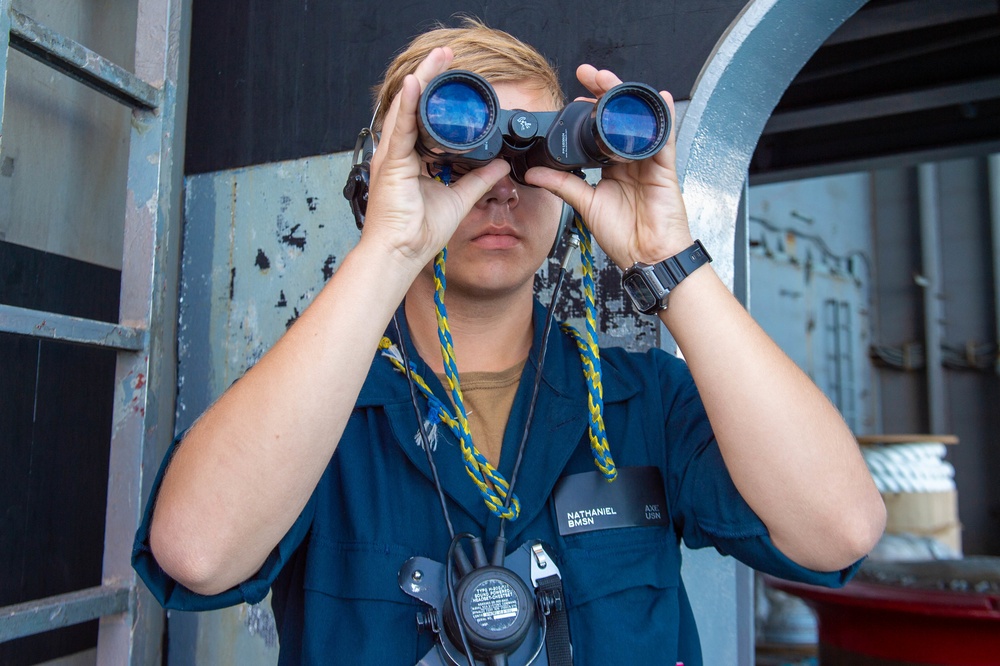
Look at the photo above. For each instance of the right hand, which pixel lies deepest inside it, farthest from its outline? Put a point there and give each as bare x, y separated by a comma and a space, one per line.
410, 213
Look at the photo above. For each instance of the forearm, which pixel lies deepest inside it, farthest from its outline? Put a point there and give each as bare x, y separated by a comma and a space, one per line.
246, 469
787, 448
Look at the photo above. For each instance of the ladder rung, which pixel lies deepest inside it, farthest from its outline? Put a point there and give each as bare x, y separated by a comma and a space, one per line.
40, 615
40, 324
78, 62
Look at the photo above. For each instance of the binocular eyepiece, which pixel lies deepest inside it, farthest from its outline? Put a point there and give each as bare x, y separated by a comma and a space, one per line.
461, 125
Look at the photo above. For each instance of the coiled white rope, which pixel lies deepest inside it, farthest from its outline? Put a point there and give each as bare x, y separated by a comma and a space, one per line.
910, 468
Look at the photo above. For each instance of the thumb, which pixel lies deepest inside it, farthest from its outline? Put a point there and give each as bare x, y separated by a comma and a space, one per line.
566, 185
471, 187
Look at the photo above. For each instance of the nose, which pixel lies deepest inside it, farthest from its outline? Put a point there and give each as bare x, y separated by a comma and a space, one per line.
503, 193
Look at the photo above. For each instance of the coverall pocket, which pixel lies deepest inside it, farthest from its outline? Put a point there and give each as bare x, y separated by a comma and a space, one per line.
353, 584
622, 591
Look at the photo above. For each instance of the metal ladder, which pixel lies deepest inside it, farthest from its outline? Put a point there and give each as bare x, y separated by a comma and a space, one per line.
130, 621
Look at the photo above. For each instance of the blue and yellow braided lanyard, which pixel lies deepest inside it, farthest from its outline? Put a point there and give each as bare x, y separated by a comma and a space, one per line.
590, 354
491, 484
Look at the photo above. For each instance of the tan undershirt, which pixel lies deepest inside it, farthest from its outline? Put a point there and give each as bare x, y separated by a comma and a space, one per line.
488, 397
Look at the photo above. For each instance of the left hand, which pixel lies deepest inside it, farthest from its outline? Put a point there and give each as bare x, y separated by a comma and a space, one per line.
636, 212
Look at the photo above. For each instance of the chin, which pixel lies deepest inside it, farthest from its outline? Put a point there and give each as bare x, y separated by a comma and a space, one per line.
487, 285
492, 277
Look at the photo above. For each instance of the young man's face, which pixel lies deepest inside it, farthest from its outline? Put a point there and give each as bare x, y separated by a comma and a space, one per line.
505, 238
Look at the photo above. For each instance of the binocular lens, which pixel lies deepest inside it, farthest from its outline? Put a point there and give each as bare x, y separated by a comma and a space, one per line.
634, 121
458, 113
630, 125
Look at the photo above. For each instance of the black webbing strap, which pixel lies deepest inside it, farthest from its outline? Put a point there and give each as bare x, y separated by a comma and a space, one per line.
557, 643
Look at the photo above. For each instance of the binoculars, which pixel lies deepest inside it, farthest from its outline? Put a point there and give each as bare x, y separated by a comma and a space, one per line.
462, 126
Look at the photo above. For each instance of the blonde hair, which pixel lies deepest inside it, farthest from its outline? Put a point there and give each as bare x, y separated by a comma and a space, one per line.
494, 54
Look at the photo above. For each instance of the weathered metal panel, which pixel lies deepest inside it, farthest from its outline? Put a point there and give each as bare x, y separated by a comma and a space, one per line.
145, 381
259, 244
80, 63
35, 617
4, 43
70, 329
810, 245
65, 147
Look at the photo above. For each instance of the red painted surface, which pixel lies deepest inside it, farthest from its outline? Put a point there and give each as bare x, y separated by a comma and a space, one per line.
912, 625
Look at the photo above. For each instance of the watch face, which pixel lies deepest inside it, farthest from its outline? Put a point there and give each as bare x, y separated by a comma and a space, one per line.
640, 293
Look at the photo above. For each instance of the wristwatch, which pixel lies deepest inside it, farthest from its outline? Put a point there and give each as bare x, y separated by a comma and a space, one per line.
649, 285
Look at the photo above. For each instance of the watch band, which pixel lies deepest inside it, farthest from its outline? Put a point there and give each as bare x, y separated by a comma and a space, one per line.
649, 285
672, 270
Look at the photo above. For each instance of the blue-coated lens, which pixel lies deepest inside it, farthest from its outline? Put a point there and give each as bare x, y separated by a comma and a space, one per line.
629, 124
458, 113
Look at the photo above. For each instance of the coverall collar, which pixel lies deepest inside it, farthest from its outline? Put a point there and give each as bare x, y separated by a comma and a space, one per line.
558, 427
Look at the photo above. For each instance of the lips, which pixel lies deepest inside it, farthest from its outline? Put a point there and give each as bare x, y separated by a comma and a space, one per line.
497, 238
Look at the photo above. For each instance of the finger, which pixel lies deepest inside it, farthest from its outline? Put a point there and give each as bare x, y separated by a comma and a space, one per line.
587, 76
404, 105
437, 61
596, 81
667, 156
567, 186
402, 136
606, 80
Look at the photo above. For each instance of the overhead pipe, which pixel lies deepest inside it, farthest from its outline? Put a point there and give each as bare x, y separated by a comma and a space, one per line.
993, 170
930, 250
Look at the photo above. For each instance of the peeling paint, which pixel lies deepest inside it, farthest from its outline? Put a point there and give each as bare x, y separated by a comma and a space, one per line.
291, 239
329, 266
262, 262
292, 319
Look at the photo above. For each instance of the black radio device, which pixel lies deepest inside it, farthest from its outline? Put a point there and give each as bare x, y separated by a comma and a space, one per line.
508, 613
